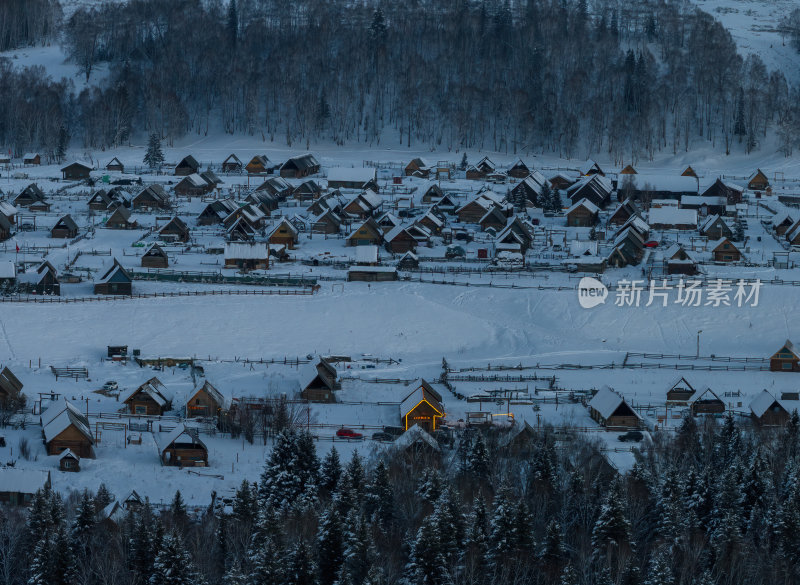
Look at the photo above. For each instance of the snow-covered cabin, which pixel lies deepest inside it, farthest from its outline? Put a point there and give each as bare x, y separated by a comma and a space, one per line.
18, 486
206, 401
422, 407
182, 447
247, 256
767, 410
151, 398
610, 409
353, 178
786, 359
672, 218
65, 427
318, 381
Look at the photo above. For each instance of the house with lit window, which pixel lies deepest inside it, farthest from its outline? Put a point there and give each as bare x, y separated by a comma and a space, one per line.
422, 407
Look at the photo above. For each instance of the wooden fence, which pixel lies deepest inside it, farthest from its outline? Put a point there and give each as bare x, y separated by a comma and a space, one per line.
202, 293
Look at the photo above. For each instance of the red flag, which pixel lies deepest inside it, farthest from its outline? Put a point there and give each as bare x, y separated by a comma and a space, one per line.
17, 248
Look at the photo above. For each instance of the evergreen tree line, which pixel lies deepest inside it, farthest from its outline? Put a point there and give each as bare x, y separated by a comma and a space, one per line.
711, 505
629, 79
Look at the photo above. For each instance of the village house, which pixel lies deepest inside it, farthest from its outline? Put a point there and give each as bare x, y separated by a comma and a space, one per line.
689, 172
247, 256
206, 401
417, 447
32, 198
431, 222
786, 359
193, 186
672, 218
251, 214
596, 188
731, 192
8, 211
318, 381
561, 182
723, 250
366, 204
299, 167
610, 410
283, 233
307, 191
120, 219
187, 166
519, 170
277, 187
529, 189
417, 168
372, 274
151, 197
326, 222
10, 386
648, 187
65, 427
481, 169
706, 402
758, 181
42, 281
624, 212
475, 209
18, 486
582, 214
182, 447
151, 398
388, 221
432, 194
8, 273
31, 158
679, 261
99, 201
240, 230
494, 219
590, 168
715, 228
628, 170
704, 205
115, 165
75, 171
232, 164
64, 228
680, 392
783, 221
769, 411
175, 230
446, 205
215, 212
408, 261
368, 233
258, 165
115, 281
155, 257
399, 240
422, 407
519, 440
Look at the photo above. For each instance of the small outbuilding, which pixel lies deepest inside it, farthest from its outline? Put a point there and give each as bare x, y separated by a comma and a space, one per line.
611, 410
182, 447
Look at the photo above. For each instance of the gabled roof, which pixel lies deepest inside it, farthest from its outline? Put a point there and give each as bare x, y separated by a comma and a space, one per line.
232, 158
239, 251
589, 166
423, 392
302, 162
312, 370
697, 396
77, 164
22, 481
606, 402
66, 222
682, 382
412, 436
189, 161
116, 269
123, 212
215, 394
764, 402
165, 440
714, 244
283, 222
584, 203
60, 416
789, 346
369, 222
710, 221
154, 389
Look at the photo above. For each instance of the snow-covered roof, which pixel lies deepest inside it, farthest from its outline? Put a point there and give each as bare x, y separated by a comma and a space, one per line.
413, 435
68, 453
60, 416
422, 392
584, 203
672, 216
664, 183
710, 221
583, 248
699, 201
762, 402
7, 208
367, 254
285, 223
22, 481
8, 269
196, 180
606, 401
30, 155
243, 251
164, 440
352, 175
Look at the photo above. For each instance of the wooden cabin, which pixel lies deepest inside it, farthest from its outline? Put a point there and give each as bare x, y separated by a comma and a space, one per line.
18, 486
706, 402
561, 182
115, 165
64, 228
417, 168
422, 407
193, 185
610, 410
44, 281
731, 192
187, 166
399, 240
116, 281
724, 250
758, 181
307, 191
283, 234
582, 214
99, 201
326, 222
628, 170
151, 197
590, 168
494, 219
247, 256
182, 447
353, 178
595, 188
151, 398
69, 461
689, 172
215, 212
120, 219
474, 210
679, 261
368, 233
433, 194
205, 401
481, 169
32, 198
519, 440
232, 164
75, 171
258, 164
786, 359
10, 386
768, 411
301, 166
155, 257
715, 228
680, 392
519, 170
318, 381
408, 261
32, 158
175, 230
417, 447
65, 427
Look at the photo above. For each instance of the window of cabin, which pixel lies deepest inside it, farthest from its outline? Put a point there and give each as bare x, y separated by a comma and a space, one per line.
140, 409
786, 365
67, 464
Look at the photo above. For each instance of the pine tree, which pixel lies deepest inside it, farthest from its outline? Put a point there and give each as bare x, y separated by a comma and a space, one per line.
479, 458
464, 163
39, 519
245, 507
356, 549
569, 576
154, 157
381, 497
280, 485
429, 486
41, 563
553, 551
85, 519
377, 30
659, 571
301, 568
235, 575
173, 564
477, 542
739, 126
103, 498
331, 471
63, 567
266, 565
426, 564
612, 527
63, 144
502, 539
329, 546
177, 511
142, 543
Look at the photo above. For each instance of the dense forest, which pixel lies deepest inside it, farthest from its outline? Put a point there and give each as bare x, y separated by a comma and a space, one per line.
710, 505
564, 76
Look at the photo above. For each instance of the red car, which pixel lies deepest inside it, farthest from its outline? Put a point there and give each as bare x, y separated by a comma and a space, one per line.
651, 244
348, 434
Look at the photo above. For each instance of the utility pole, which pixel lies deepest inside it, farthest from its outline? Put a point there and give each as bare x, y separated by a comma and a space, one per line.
699, 331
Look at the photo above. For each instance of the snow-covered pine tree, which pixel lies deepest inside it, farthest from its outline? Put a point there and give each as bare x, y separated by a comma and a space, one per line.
659, 572
280, 484
245, 507
464, 163
301, 568
476, 549
39, 571
356, 552
85, 518
329, 546
103, 497
429, 485
502, 538
266, 566
235, 575
426, 564
381, 497
479, 458
63, 566
553, 550
39, 518
330, 471
177, 511
154, 157
612, 528
173, 564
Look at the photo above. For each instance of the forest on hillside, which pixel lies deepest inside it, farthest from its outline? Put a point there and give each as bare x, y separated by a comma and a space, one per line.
565, 76
713, 504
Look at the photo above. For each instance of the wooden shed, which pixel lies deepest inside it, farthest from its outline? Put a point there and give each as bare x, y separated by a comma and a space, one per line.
187, 166
582, 214
64, 228
610, 410
10, 385
706, 402
75, 171
247, 256
417, 168
18, 486
680, 392
368, 233
283, 233
519, 170
301, 166
399, 240
258, 164
723, 250
115, 165
372, 274
31, 158
182, 447
205, 401
175, 230
120, 219
318, 381
768, 411
155, 257
758, 181
69, 461
232, 164
151, 197
193, 185
422, 407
